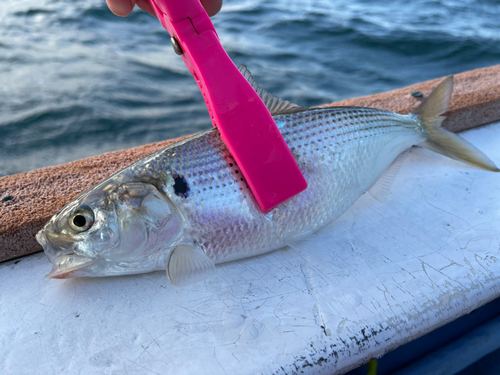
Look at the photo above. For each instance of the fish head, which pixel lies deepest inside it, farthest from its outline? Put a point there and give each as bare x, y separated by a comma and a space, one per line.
113, 229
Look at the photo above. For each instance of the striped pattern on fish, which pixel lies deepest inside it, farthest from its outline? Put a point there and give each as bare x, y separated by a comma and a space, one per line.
187, 207
340, 151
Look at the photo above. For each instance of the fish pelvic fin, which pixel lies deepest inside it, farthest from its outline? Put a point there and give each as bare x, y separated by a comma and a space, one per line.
441, 140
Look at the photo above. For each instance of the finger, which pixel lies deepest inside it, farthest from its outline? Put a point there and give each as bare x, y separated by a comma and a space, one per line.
212, 6
121, 8
145, 5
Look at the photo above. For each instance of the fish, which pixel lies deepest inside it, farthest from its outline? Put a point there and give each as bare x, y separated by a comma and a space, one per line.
187, 207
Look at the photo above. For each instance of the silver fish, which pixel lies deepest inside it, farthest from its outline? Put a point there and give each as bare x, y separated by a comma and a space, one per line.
187, 207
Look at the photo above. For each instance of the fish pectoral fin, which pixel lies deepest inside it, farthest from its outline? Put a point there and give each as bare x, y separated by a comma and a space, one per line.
274, 104
188, 264
382, 187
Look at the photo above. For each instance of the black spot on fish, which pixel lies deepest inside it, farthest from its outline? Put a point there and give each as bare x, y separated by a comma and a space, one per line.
416, 94
7, 198
181, 187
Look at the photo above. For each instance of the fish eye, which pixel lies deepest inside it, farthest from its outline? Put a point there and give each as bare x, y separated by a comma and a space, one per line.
81, 219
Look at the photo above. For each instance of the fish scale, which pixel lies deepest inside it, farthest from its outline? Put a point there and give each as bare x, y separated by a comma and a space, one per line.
338, 150
187, 207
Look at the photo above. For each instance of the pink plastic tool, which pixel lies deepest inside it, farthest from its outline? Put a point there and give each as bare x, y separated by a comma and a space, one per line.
245, 124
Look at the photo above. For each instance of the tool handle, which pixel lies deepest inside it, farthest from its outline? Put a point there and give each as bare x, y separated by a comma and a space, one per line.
246, 126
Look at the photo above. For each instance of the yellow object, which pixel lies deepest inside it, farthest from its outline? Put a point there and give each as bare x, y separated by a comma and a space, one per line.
372, 367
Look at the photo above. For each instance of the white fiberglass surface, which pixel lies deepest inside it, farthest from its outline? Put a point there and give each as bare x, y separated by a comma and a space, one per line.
381, 275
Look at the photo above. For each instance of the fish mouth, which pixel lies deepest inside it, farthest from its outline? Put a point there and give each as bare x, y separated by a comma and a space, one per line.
69, 266
65, 266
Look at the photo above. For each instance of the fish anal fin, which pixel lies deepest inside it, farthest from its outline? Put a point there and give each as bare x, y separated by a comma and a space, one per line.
188, 264
382, 187
274, 104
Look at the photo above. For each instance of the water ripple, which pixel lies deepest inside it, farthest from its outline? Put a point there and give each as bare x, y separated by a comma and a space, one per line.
78, 81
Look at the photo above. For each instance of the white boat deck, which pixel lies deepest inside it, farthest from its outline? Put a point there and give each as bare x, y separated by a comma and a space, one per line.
385, 275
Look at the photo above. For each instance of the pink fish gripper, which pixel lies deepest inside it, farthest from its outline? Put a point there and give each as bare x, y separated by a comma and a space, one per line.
244, 122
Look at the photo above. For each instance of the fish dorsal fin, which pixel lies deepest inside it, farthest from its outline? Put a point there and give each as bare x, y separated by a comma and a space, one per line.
382, 187
274, 104
188, 264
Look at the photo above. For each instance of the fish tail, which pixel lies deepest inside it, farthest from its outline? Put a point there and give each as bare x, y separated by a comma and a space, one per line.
441, 140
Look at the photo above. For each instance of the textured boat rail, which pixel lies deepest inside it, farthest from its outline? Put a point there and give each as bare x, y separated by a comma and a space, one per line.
39, 194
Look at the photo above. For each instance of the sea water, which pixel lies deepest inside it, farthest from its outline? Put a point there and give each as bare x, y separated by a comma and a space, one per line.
77, 81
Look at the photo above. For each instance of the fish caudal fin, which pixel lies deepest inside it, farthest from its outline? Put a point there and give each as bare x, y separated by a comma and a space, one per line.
441, 140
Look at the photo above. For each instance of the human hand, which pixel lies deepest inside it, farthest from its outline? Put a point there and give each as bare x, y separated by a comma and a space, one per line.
123, 8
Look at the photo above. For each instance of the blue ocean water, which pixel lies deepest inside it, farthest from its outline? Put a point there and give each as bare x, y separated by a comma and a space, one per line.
77, 81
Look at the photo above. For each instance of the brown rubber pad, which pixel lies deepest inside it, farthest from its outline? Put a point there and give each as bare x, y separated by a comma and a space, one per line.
39, 194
